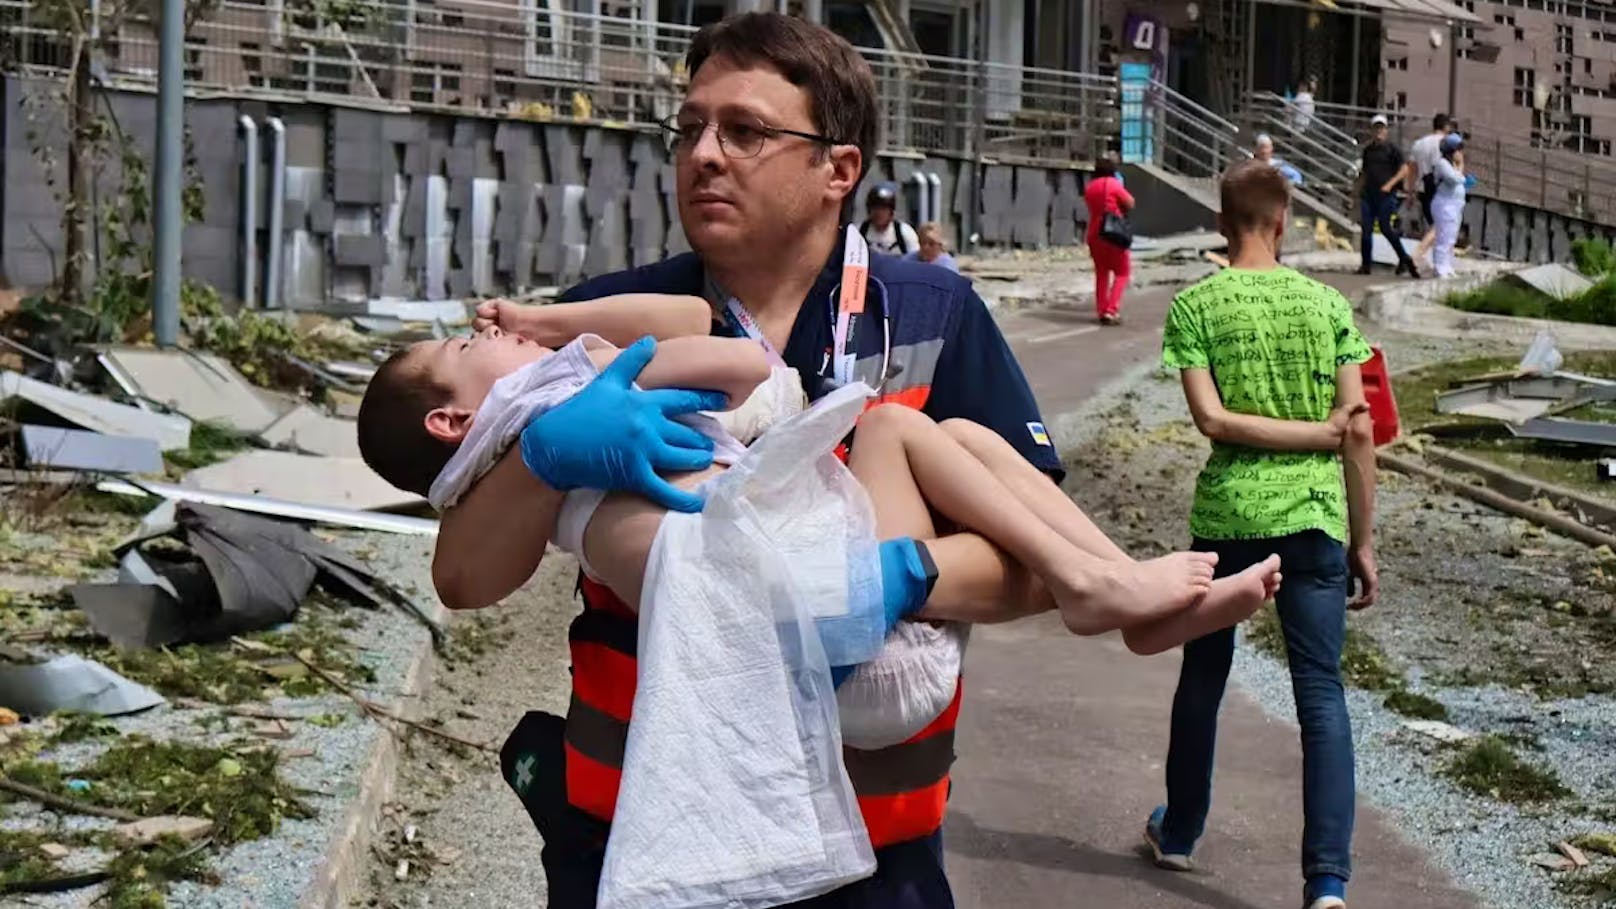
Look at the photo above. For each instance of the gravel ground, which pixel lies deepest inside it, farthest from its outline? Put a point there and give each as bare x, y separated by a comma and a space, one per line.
1468, 597
271, 873
481, 850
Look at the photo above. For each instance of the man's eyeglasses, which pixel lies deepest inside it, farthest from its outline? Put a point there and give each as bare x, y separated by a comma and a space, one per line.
737, 139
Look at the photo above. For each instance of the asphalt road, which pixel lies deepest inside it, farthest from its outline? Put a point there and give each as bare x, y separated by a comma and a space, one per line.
1062, 738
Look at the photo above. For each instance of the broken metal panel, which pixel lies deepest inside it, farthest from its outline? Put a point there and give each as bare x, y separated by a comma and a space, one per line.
341, 517
308, 430
449, 312
204, 387
328, 482
77, 449
169, 430
70, 682
1554, 279
1580, 432
1514, 399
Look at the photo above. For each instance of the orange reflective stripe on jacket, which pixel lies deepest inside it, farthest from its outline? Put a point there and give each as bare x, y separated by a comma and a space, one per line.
902, 790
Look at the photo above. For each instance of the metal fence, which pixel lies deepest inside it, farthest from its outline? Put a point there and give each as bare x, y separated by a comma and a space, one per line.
1507, 167
521, 59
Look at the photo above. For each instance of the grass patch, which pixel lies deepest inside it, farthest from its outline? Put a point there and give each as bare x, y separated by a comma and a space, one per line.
140, 877
1602, 843
1599, 885
20, 859
210, 443
219, 674
75, 726
1488, 766
239, 789
1414, 705
1595, 306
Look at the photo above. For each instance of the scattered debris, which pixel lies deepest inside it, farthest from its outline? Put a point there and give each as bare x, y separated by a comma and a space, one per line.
70, 682
98, 414
342, 517
1577, 432
448, 312
1602, 843
202, 386
75, 806
1553, 279
305, 429
402, 870
346, 483
1442, 732
1573, 853
77, 449
1552, 862
149, 830
54, 852
248, 573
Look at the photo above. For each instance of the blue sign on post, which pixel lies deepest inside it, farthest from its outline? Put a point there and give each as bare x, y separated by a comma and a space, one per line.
1138, 126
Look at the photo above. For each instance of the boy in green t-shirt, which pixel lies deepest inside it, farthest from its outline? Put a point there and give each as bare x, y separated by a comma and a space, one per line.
1270, 366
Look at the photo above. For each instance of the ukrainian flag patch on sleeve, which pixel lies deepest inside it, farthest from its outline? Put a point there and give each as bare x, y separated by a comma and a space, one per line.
1039, 434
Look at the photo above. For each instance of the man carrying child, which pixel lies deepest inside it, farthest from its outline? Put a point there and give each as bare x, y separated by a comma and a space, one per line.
1269, 361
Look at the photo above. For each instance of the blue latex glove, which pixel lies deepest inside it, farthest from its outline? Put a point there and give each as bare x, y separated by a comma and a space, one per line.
1470, 181
616, 437
904, 588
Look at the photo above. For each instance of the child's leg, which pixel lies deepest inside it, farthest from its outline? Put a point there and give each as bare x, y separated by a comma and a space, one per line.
1034, 488
977, 582
1228, 601
895, 442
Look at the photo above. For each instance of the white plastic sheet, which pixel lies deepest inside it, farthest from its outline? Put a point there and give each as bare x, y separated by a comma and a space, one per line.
734, 793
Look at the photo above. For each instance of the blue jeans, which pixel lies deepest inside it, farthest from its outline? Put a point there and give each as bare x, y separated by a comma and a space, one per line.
1376, 206
1312, 604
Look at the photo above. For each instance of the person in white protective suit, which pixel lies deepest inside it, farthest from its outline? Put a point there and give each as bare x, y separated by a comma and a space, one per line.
1447, 203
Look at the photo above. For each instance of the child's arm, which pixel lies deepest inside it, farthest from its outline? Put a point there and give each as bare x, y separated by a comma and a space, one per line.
620, 320
1358, 461
734, 366
1221, 425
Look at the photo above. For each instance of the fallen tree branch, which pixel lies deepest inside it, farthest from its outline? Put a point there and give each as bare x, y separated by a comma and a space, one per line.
372, 709
55, 801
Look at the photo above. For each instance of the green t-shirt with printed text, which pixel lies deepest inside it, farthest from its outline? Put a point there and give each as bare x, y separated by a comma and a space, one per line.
1272, 340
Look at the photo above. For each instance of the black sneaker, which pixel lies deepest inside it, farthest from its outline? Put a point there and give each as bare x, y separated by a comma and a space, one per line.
1363, 270
1413, 272
1402, 267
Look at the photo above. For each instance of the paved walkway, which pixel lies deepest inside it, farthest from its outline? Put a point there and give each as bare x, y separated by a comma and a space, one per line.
1062, 739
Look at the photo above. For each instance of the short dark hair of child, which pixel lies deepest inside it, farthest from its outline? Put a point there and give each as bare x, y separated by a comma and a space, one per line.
392, 424
1254, 195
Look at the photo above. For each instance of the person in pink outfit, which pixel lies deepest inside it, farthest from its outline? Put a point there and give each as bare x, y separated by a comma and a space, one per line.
1112, 264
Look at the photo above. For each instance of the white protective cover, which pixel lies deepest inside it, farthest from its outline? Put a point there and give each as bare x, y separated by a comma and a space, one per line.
910, 682
734, 793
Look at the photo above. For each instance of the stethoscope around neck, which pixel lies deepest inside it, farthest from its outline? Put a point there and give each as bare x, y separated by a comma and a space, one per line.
878, 290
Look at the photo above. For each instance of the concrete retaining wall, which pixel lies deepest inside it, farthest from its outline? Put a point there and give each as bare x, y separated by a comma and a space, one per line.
429, 206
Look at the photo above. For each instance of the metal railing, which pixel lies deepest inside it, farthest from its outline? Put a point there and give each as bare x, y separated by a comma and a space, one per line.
1192, 141
519, 58
1507, 168
1326, 156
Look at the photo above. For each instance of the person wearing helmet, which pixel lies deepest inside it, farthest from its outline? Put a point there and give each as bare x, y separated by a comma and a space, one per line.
1448, 201
881, 228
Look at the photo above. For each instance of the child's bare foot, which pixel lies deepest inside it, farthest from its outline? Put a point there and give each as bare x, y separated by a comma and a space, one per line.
1237, 596
1228, 601
1120, 594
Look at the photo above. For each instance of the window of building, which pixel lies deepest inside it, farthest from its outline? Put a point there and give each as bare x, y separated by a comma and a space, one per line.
1562, 38
1400, 63
1520, 34
1525, 82
1401, 101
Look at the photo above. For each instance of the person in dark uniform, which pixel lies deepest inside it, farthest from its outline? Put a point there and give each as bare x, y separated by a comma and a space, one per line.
1381, 176
776, 129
